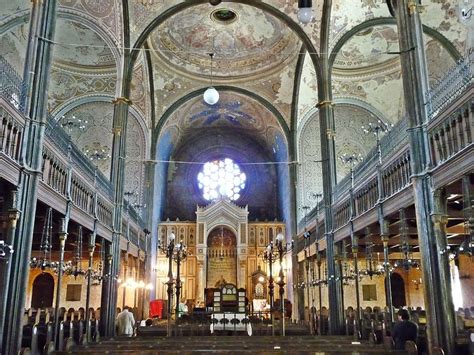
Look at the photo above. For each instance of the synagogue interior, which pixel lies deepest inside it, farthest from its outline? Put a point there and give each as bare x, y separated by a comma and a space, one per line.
271, 175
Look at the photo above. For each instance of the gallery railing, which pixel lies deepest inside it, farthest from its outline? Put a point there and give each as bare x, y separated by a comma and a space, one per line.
60, 155
449, 133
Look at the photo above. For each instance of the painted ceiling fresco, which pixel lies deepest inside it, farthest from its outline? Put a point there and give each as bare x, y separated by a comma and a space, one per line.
233, 111
97, 134
104, 13
254, 42
257, 52
78, 45
13, 46
368, 48
350, 139
13, 7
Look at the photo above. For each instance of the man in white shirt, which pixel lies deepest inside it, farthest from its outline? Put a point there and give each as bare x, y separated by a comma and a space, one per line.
125, 322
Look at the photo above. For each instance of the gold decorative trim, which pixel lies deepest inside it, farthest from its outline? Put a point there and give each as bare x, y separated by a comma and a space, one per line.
324, 103
117, 131
331, 134
120, 100
414, 8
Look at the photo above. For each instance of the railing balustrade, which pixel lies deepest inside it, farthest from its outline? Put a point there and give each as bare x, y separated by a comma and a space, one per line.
86, 178
11, 132
453, 134
454, 83
447, 136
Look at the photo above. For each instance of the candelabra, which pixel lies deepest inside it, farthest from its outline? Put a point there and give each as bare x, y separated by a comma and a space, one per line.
178, 253
407, 262
72, 123
269, 256
283, 248
100, 275
377, 129
5, 249
76, 266
372, 268
351, 160
44, 262
97, 151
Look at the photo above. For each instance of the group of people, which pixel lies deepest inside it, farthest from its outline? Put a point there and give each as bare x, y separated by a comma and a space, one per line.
403, 330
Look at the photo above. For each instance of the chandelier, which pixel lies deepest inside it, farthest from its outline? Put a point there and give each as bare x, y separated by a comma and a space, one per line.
97, 151
372, 268
44, 262
73, 123
407, 260
75, 268
5, 249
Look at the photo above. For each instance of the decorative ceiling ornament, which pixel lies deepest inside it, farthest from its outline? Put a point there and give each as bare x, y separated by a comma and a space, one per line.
146, 3
305, 11
211, 95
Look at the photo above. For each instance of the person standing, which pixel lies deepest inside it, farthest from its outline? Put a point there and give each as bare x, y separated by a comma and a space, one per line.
404, 330
125, 322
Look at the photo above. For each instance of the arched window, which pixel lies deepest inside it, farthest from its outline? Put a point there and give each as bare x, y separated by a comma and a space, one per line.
43, 290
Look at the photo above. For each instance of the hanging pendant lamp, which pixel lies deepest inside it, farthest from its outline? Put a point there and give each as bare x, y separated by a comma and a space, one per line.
305, 11
211, 95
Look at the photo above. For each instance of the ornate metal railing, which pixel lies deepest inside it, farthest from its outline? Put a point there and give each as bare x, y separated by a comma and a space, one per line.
86, 178
12, 87
446, 138
11, 133
456, 81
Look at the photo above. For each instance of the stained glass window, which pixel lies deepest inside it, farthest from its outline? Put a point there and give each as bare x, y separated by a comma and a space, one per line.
221, 179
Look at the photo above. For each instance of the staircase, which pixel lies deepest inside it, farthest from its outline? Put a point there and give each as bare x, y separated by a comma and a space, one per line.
232, 345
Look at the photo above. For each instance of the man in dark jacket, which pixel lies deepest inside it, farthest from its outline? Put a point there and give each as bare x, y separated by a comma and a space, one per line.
404, 330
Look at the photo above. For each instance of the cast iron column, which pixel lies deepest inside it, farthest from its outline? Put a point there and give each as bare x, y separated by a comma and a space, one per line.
328, 157
36, 77
438, 298
13, 215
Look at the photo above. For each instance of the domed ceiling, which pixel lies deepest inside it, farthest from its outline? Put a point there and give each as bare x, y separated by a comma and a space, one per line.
245, 41
233, 111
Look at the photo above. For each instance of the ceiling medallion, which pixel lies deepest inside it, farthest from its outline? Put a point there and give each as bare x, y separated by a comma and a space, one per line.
224, 16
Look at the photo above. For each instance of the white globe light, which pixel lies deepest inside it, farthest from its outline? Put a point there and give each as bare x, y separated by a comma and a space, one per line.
211, 96
305, 14
171, 237
280, 237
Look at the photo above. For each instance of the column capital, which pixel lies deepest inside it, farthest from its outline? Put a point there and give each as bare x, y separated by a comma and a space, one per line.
439, 220
117, 131
13, 215
122, 100
324, 103
331, 134
414, 7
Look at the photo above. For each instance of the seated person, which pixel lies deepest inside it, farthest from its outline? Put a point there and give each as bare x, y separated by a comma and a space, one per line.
404, 330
